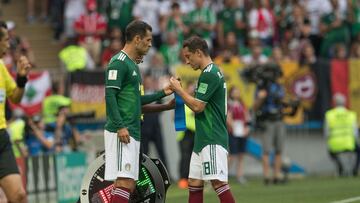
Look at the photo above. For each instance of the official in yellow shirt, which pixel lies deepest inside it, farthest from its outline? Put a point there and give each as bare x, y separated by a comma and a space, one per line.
341, 131
10, 180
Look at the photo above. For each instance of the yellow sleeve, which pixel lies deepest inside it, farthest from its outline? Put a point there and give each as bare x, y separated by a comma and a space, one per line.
10, 84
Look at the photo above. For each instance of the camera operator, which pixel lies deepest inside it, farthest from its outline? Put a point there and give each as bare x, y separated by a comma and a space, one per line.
268, 111
67, 137
41, 146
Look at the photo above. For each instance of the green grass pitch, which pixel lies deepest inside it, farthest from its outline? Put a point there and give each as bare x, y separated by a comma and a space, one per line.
305, 190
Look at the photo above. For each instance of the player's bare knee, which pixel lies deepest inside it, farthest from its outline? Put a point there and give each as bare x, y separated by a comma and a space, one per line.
196, 182
18, 197
217, 183
126, 183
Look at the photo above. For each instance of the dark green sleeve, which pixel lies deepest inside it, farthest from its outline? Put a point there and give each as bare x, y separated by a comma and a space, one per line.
112, 113
115, 74
208, 83
147, 99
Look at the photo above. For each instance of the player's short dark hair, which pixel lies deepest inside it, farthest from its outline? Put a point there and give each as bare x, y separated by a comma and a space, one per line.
136, 27
3, 27
193, 43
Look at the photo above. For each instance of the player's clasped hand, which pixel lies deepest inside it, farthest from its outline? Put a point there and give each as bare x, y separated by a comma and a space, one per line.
175, 84
123, 135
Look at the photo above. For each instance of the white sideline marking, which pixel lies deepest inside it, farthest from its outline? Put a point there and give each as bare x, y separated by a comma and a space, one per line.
353, 199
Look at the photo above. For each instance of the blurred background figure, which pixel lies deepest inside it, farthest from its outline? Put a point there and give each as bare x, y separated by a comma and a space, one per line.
238, 119
73, 9
342, 134
17, 134
261, 20
231, 18
149, 12
186, 141
201, 21
151, 126
41, 144
269, 119
16, 131
90, 28
53, 102
115, 46
31, 5
74, 57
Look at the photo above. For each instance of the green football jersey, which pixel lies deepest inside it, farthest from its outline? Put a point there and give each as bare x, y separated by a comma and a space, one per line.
335, 35
123, 75
229, 16
211, 123
205, 15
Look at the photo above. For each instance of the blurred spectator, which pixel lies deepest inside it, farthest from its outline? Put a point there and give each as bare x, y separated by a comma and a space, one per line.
238, 118
355, 50
16, 131
119, 13
41, 144
231, 19
201, 22
261, 19
171, 50
90, 27
31, 10
113, 33
73, 10
278, 56
158, 69
174, 22
296, 32
115, 46
255, 57
269, 118
308, 56
57, 9
228, 55
231, 43
67, 137
151, 127
334, 29
340, 52
38, 140
283, 11
149, 12
74, 57
315, 9
354, 17
52, 103
184, 5
254, 40
342, 134
18, 46
186, 141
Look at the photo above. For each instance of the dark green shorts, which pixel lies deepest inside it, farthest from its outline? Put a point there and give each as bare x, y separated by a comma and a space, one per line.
7, 159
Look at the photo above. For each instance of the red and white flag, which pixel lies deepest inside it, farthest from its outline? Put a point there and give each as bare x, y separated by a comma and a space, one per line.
36, 89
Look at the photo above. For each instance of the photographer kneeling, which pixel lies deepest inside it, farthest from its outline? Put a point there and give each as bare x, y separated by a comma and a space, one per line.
268, 109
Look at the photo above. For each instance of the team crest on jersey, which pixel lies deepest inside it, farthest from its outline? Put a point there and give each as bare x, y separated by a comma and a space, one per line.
134, 73
112, 75
202, 88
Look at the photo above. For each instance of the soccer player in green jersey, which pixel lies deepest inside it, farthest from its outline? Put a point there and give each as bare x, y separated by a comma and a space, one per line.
124, 99
209, 157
